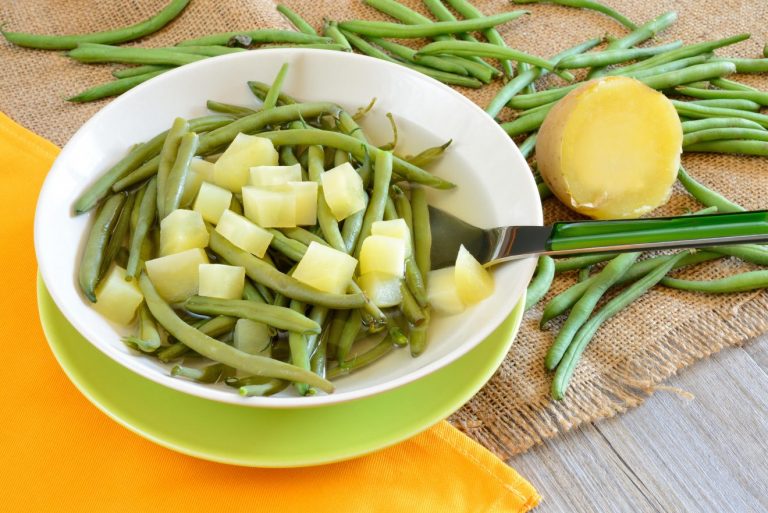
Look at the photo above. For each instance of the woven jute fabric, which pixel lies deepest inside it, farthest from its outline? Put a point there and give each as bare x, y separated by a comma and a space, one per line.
646, 343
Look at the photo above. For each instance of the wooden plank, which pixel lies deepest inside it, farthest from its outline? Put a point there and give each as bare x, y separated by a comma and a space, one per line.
579, 472
706, 453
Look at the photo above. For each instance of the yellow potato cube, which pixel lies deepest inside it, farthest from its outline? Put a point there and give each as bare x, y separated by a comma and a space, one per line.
231, 170
267, 176
442, 293
224, 281
243, 233
176, 277
382, 254
306, 202
212, 201
199, 171
325, 268
382, 289
182, 230
116, 298
473, 282
253, 337
343, 191
270, 208
397, 228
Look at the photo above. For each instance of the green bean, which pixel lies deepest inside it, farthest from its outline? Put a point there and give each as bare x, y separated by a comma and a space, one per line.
167, 159
351, 328
714, 123
94, 53
568, 363
113, 88
348, 125
722, 134
261, 272
577, 262
410, 308
683, 76
251, 293
208, 374
527, 146
120, 35
584, 273
270, 387
607, 57
146, 211
291, 248
759, 148
382, 176
692, 110
418, 339
212, 327
658, 69
260, 90
686, 51
544, 191
219, 351
276, 316
92, 263
227, 108
177, 176
148, 331
296, 19
527, 122
747, 65
531, 101
566, 299
340, 157
730, 85
138, 70
331, 29
298, 344
742, 282
399, 338
422, 234
350, 230
257, 36
586, 305
527, 77
304, 236
396, 30
465, 48
449, 78
384, 347
270, 100
706, 196
390, 212
753, 253
207, 51
415, 281
755, 96
403, 207
427, 156
315, 46
325, 218
409, 54
586, 4
469, 11
729, 104
539, 285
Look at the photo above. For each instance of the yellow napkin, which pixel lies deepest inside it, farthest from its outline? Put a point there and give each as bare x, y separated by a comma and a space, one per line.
59, 453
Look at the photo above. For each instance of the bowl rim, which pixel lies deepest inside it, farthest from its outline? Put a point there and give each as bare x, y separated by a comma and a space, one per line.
211, 393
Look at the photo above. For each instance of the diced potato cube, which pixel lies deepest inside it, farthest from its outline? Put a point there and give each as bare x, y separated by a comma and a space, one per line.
243, 233
253, 337
231, 170
397, 228
199, 171
442, 293
306, 202
270, 208
212, 201
267, 176
203, 169
383, 255
224, 281
176, 277
382, 289
325, 268
473, 282
343, 191
182, 230
116, 298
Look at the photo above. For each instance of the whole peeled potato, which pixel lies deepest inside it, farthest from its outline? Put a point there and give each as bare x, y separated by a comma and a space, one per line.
611, 148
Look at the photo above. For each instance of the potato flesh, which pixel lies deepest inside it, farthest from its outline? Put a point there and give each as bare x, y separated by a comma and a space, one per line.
182, 230
473, 282
116, 298
343, 191
212, 201
397, 228
325, 268
199, 171
382, 254
267, 176
231, 170
253, 337
611, 148
222, 281
306, 202
270, 208
442, 293
382, 289
243, 233
176, 277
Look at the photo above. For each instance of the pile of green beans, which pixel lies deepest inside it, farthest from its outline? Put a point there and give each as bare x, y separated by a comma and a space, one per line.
322, 329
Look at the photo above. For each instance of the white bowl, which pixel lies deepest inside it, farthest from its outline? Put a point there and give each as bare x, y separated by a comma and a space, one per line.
495, 188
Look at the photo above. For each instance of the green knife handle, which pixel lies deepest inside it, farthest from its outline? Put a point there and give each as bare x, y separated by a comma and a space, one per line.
687, 230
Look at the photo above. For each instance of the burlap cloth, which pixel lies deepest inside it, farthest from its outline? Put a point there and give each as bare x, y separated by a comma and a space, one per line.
649, 341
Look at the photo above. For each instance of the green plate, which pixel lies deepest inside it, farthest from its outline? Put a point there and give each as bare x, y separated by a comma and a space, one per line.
247, 436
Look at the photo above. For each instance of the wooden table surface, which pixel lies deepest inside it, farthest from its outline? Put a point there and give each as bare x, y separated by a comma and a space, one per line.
703, 453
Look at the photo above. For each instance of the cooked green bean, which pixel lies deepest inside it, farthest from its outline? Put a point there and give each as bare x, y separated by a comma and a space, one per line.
382, 175
415, 281
93, 53
730, 85
759, 148
120, 35
237, 111
527, 146
251, 293
578, 262
92, 262
270, 100
544, 191
208, 374
148, 332
113, 88
729, 104
527, 122
352, 327
545, 273
747, 65
289, 247
390, 212
383, 348
692, 110
146, 210
742, 282
427, 156
705, 195
315, 46
721, 94
276, 316
270, 387
531, 101
207, 51
325, 219
212, 327
260, 90
340, 157
658, 69
177, 176
422, 234
584, 307
722, 134
410, 308
607, 57
134, 71
753, 253
261, 272
714, 123
296, 19
586, 4
350, 231
219, 351
166, 161
418, 336
568, 363
409, 54
257, 36
690, 74
584, 273
331, 29
397, 30
303, 235
298, 344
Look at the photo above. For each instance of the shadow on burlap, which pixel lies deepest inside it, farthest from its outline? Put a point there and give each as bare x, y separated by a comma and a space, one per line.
646, 343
